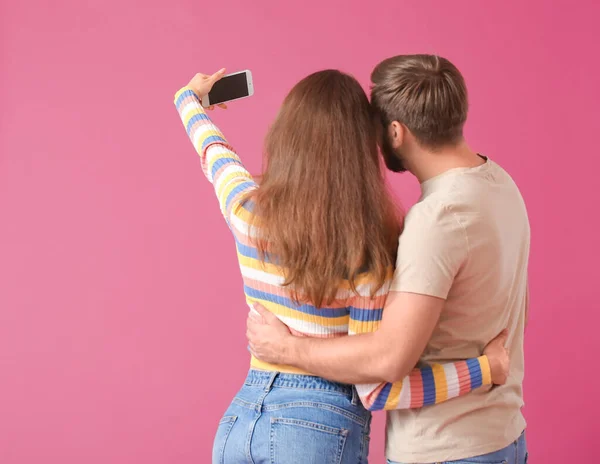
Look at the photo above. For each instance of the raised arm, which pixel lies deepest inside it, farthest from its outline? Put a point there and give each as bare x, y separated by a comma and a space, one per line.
221, 165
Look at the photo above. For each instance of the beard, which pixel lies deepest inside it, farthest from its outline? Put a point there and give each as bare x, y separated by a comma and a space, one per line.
393, 159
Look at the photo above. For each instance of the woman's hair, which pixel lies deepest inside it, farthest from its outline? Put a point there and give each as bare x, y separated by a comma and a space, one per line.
323, 212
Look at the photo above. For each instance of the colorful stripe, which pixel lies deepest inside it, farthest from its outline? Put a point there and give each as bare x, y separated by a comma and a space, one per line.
263, 281
441, 386
475, 373
463, 373
416, 389
486, 371
432, 384
428, 385
393, 398
452, 386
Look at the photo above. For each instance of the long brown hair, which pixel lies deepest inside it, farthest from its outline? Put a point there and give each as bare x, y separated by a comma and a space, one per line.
323, 209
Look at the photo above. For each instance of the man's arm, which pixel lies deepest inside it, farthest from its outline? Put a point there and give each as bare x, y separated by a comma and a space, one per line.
386, 355
431, 250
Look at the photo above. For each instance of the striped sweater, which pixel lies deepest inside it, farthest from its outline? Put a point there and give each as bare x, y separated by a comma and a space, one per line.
350, 313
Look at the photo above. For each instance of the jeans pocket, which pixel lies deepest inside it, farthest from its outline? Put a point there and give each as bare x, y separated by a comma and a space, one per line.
221, 437
295, 441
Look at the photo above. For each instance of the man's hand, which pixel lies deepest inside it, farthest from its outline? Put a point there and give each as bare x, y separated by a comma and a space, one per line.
361, 358
202, 84
270, 339
499, 358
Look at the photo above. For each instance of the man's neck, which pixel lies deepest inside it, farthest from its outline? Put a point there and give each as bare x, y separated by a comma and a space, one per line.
425, 164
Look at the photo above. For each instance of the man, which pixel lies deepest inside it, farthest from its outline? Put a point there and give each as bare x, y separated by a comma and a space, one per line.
461, 277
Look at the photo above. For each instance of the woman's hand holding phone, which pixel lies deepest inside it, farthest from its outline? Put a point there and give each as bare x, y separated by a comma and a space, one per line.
202, 84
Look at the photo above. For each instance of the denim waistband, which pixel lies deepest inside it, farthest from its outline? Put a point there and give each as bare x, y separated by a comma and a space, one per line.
306, 382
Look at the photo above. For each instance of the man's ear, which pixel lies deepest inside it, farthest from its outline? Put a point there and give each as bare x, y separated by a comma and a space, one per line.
396, 134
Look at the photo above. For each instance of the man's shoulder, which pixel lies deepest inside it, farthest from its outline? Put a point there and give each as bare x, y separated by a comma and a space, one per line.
429, 211
433, 224
430, 249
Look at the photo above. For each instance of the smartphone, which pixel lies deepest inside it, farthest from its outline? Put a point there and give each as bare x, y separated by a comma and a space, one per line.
230, 87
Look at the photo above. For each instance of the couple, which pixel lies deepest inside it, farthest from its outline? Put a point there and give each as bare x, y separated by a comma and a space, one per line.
322, 257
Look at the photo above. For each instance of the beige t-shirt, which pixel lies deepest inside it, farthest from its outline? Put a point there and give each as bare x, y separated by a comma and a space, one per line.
466, 241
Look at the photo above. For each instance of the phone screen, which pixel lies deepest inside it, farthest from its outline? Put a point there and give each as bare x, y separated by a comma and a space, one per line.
229, 88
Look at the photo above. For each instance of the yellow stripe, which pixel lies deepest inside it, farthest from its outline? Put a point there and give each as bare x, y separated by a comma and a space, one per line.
441, 386
263, 366
259, 265
226, 187
206, 133
212, 132
244, 176
243, 213
486, 371
224, 194
276, 270
359, 327
190, 113
268, 268
394, 396
180, 91
284, 311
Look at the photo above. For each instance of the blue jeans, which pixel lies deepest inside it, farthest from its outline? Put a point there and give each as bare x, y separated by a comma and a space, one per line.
281, 418
515, 453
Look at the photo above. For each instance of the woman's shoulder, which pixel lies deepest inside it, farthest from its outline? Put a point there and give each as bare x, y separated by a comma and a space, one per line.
367, 289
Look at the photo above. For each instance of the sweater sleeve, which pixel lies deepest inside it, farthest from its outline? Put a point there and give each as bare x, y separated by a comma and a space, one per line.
424, 386
220, 163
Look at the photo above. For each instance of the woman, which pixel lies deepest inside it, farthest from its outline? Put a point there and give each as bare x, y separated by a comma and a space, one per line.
316, 245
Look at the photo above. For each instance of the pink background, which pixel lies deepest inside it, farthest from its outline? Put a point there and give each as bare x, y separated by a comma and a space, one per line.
121, 310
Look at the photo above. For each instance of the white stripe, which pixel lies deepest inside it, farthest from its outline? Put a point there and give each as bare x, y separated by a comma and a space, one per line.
404, 400
452, 380
311, 328
252, 310
230, 169
365, 389
218, 151
214, 149
364, 290
189, 108
243, 227
200, 131
264, 277
196, 136
343, 294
